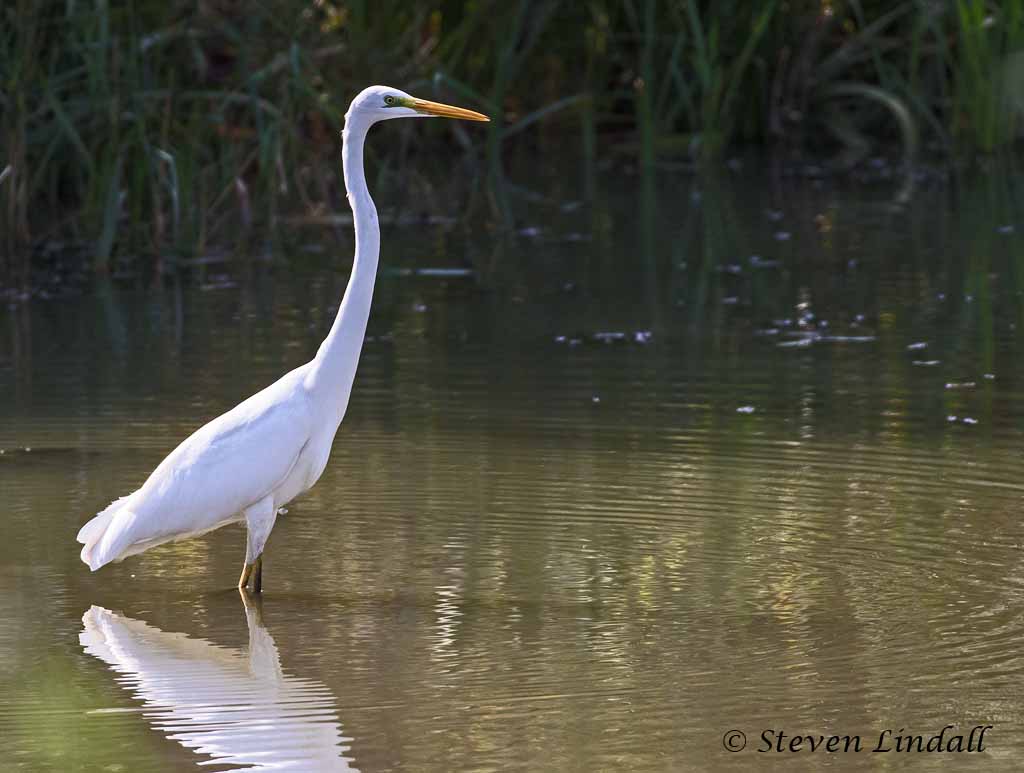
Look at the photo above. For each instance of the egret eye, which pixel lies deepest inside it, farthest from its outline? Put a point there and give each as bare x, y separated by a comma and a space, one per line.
390, 101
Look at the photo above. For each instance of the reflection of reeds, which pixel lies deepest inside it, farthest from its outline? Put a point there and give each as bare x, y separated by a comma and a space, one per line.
955, 254
159, 132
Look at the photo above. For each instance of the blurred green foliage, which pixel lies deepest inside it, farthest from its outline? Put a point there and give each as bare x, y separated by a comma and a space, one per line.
164, 127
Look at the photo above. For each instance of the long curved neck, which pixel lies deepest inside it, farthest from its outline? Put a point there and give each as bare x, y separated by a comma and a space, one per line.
334, 367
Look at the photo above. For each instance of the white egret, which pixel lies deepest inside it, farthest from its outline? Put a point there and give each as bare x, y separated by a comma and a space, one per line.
251, 461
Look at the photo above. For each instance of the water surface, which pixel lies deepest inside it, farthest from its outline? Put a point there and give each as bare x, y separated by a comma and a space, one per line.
727, 453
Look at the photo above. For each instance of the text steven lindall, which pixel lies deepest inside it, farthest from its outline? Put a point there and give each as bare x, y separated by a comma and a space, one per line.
889, 740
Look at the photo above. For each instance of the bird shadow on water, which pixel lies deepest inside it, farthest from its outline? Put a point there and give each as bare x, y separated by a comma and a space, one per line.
232, 706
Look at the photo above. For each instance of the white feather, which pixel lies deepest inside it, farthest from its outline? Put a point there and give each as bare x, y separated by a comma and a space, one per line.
213, 476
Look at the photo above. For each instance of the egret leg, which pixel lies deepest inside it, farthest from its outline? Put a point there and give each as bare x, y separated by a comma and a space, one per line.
257, 575
259, 521
244, 579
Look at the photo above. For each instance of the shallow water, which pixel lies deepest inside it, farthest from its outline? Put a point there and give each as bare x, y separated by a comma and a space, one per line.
731, 454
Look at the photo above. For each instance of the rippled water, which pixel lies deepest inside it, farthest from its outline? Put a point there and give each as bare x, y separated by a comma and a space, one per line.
726, 456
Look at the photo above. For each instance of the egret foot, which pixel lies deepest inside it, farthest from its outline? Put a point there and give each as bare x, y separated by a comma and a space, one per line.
257, 575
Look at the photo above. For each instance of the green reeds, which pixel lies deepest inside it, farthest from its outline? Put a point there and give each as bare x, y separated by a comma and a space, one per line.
150, 132
840, 87
721, 73
693, 65
137, 125
990, 40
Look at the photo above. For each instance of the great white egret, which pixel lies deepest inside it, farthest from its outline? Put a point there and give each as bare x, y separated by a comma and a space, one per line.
249, 462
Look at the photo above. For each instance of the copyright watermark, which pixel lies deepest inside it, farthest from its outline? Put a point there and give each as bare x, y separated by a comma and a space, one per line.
950, 739
734, 740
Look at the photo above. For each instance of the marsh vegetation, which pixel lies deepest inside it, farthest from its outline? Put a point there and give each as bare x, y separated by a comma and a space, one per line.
142, 134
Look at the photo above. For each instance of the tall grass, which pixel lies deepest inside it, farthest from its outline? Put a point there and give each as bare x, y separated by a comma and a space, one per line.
987, 71
141, 126
150, 131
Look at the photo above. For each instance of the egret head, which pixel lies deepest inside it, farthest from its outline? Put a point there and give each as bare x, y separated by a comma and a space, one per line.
379, 103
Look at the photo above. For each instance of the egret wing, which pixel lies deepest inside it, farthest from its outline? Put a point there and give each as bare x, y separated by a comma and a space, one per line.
231, 463
216, 473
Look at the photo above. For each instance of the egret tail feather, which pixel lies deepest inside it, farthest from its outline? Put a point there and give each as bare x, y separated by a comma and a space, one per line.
98, 523
103, 537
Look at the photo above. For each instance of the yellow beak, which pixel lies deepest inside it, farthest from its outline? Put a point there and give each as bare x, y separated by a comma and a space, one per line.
446, 111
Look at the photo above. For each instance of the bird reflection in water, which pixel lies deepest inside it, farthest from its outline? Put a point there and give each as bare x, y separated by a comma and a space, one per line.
235, 707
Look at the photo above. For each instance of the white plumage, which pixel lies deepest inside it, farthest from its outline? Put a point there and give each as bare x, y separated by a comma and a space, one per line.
251, 461
243, 464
